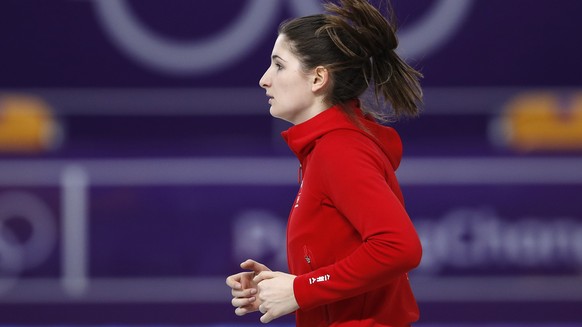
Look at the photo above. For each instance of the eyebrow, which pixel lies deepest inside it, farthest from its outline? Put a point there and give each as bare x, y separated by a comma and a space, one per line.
277, 57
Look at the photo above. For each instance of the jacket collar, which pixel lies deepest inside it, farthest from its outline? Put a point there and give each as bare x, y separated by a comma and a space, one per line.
301, 138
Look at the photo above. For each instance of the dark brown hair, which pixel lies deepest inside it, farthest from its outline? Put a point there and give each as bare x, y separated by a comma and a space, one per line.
357, 44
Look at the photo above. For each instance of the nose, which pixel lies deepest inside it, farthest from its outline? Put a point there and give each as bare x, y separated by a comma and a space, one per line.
264, 82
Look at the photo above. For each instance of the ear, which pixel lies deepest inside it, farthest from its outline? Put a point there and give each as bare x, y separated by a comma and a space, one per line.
320, 78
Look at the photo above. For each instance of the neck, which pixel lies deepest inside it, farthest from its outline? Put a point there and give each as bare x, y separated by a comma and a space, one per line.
318, 107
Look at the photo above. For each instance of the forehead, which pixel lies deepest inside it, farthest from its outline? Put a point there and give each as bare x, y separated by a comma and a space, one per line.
282, 47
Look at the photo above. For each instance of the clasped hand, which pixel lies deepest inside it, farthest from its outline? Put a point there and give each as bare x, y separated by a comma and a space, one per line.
260, 289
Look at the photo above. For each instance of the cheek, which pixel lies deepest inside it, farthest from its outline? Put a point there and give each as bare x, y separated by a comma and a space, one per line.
294, 86
291, 89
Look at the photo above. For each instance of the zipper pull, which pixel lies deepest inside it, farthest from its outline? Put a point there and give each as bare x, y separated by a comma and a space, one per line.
308, 259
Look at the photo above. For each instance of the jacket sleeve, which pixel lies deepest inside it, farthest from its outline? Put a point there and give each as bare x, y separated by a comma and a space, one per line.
353, 179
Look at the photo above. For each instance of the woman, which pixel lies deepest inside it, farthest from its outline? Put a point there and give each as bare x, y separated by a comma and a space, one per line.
350, 242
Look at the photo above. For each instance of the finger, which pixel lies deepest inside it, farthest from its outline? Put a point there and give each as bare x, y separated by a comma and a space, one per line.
241, 311
262, 308
244, 293
246, 309
248, 264
233, 281
253, 265
241, 302
263, 275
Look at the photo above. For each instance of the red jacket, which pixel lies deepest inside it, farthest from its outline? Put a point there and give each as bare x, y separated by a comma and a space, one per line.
349, 239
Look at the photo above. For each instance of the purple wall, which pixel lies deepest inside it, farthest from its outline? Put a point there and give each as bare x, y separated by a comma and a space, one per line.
520, 43
137, 170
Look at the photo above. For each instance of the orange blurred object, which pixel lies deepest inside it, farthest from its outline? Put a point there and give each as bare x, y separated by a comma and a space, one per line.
26, 125
540, 121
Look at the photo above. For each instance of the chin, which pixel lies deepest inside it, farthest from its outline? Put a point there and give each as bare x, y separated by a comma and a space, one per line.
277, 115
274, 113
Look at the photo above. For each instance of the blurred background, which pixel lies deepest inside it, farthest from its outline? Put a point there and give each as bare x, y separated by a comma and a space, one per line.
139, 164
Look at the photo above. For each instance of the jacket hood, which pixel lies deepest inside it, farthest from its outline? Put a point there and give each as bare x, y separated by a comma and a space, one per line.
301, 138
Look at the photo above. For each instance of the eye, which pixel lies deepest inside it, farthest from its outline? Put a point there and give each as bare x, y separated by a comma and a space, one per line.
279, 67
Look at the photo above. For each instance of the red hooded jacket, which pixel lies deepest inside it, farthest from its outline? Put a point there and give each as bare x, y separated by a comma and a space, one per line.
349, 239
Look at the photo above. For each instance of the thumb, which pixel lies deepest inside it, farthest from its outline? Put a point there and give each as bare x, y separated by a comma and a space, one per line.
266, 318
264, 275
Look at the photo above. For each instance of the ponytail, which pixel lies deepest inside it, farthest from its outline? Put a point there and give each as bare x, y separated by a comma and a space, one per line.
357, 44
